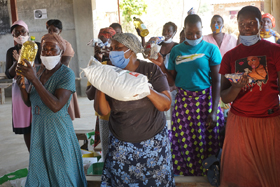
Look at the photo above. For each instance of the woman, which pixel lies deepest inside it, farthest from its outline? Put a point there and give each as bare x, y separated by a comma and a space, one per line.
20, 112
224, 41
197, 119
139, 149
117, 27
55, 26
102, 121
266, 32
55, 156
251, 150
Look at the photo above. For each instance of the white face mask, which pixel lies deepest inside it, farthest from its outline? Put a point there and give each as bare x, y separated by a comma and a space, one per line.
50, 61
21, 39
169, 40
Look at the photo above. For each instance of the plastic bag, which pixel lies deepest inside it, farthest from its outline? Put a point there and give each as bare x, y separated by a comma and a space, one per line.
16, 178
152, 47
122, 85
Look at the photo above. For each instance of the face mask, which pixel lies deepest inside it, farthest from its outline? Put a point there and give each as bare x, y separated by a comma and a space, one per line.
194, 42
21, 39
50, 61
169, 40
216, 29
117, 58
249, 40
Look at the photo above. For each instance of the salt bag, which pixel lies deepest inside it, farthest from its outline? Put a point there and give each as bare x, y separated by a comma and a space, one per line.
122, 85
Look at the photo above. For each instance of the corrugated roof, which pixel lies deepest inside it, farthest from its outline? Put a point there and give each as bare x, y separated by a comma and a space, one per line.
213, 2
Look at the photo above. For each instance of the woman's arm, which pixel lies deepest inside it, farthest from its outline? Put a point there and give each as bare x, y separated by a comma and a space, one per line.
101, 105
230, 90
90, 91
54, 102
216, 86
171, 74
162, 100
10, 64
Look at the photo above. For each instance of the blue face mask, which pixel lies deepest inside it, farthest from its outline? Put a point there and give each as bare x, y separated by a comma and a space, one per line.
249, 40
194, 42
117, 58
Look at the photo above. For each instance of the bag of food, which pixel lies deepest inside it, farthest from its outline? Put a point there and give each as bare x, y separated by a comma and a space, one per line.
122, 85
152, 47
234, 77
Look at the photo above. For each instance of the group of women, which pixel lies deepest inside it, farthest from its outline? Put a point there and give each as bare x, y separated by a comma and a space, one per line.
139, 151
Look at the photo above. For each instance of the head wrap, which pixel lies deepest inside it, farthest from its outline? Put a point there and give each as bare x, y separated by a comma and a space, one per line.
267, 15
130, 41
55, 38
107, 32
19, 23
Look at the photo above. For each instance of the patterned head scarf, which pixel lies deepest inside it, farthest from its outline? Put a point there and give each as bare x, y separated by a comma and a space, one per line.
55, 38
130, 41
107, 32
267, 15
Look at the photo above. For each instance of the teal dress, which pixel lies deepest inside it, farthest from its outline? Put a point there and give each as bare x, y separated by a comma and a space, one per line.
55, 156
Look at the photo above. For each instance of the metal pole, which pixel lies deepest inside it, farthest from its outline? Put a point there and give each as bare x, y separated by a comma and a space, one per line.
119, 11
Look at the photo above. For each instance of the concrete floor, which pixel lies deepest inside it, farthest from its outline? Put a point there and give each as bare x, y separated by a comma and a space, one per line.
13, 152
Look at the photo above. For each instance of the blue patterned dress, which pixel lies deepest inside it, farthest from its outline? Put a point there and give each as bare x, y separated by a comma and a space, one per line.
55, 156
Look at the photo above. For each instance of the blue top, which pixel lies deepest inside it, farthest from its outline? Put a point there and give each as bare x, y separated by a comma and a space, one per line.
192, 64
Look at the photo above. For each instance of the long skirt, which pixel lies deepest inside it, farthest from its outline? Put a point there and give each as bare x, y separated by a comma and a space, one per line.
191, 141
251, 152
147, 163
21, 113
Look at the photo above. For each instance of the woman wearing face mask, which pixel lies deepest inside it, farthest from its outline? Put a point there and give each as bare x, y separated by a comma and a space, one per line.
251, 150
197, 119
169, 30
55, 156
54, 26
20, 112
224, 41
266, 32
139, 149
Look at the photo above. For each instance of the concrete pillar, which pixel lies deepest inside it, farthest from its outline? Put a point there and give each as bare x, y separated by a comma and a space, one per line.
83, 18
272, 7
267, 6
275, 11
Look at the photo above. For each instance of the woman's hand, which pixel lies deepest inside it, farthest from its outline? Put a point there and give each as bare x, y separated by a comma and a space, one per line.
20, 83
97, 53
243, 81
211, 120
159, 61
26, 71
16, 54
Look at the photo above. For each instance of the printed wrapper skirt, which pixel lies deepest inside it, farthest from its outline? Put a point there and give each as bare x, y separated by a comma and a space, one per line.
191, 142
147, 163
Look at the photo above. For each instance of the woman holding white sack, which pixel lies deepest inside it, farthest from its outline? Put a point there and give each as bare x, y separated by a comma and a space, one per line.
139, 149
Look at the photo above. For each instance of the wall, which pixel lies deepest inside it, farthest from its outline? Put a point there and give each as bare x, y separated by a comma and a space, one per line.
272, 7
224, 11
83, 10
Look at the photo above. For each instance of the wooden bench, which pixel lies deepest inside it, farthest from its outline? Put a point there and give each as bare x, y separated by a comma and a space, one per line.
181, 181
